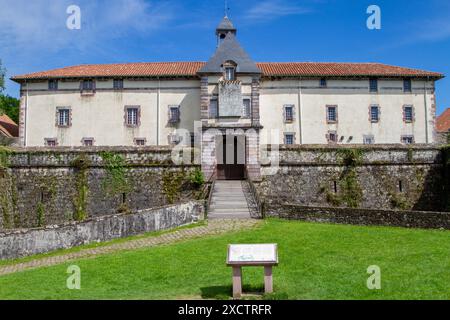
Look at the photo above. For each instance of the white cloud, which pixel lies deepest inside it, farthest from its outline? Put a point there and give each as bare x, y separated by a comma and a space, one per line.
272, 9
41, 24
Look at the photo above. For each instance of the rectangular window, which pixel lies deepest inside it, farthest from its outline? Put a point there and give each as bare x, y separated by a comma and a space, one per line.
118, 84
88, 142
323, 83
408, 113
213, 108
247, 108
230, 73
174, 114
369, 139
332, 137
132, 116
407, 139
373, 85
53, 85
289, 138
51, 142
288, 113
87, 85
140, 142
407, 86
374, 114
331, 114
63, 117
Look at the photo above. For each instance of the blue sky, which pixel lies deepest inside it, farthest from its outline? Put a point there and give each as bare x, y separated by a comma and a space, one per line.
414, 33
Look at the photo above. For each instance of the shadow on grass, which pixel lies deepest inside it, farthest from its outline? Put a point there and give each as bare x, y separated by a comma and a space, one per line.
226, 292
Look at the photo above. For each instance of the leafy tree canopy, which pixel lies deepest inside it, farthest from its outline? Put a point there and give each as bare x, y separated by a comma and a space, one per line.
8, 105
2, 77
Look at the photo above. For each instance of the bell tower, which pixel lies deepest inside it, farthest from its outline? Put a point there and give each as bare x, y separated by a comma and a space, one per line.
225, 27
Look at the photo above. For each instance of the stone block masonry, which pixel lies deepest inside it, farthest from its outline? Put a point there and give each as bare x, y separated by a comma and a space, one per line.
359, 177
377, 217
41, 187
21, 243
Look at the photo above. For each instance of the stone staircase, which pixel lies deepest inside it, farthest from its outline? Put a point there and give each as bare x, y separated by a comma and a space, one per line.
228, 201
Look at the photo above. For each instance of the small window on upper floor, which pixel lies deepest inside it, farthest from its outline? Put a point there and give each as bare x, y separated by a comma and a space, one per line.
408, 114
288, 113
118, 84
246, 112
407, 86
53, 85
323, 83
174, 114
87, 85
332, 114
369, 139
407, 139
230, 73
373, 84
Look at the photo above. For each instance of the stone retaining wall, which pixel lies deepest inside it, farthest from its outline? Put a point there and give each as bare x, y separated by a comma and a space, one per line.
381, 177
409, 219
21, 243
40, 187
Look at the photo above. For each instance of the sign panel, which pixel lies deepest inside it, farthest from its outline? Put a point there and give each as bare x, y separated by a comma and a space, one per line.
242, 254
230, 99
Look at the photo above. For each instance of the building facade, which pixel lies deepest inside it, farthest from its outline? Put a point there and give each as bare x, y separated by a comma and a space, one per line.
229, 95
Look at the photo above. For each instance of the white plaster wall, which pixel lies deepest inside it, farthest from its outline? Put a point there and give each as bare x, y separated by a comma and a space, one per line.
101, 116
353, 100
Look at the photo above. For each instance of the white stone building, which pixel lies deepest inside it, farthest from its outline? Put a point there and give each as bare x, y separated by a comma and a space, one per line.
158, 103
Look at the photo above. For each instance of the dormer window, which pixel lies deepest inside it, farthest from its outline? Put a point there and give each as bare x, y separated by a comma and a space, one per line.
230, 73
230, 70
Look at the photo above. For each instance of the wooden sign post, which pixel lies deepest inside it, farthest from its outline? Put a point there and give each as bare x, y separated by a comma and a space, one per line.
252, 255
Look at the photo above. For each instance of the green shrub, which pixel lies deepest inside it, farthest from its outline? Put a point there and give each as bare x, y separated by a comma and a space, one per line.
197, 178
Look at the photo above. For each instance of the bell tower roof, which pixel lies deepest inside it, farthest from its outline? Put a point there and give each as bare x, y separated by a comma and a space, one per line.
225, 26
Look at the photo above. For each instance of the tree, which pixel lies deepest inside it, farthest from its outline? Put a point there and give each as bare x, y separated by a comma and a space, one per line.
2, 77
8, 105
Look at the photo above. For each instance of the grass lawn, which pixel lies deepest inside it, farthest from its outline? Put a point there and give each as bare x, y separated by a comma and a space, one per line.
317, 261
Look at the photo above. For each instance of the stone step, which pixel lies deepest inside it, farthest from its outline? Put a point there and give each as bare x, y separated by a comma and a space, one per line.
229, 216
229, 210
228, 202
220, 208
228, 194
229, 198
227, 189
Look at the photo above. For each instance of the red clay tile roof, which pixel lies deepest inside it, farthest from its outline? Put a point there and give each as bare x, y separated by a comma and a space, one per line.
341, 69
8, 127
168, 69
443, 122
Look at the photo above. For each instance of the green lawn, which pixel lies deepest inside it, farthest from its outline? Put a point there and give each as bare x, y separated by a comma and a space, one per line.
317, 261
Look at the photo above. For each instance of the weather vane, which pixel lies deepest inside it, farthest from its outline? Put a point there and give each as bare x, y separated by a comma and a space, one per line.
227, 9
